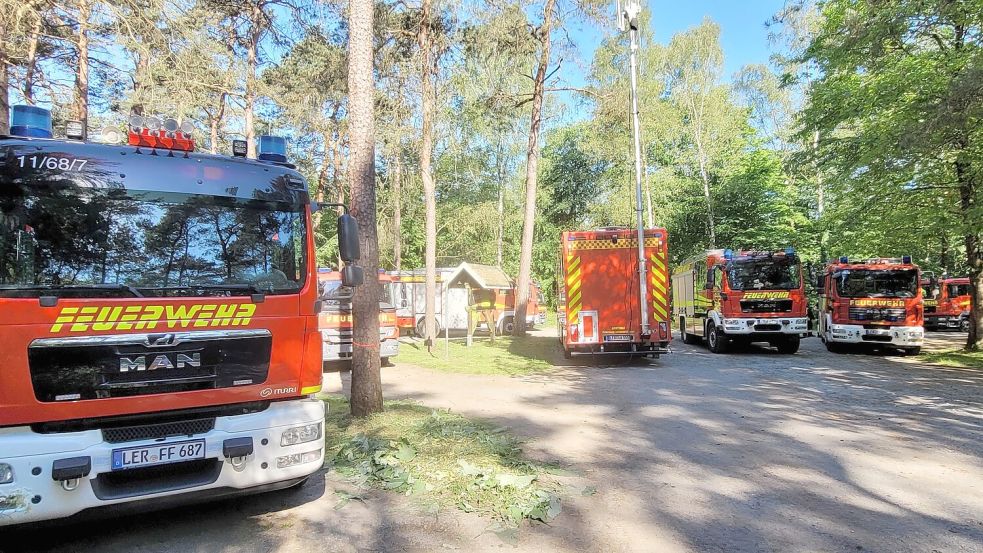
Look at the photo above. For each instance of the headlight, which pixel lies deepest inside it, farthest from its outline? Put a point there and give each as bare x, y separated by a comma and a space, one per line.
6, 473
300, 434
298, 459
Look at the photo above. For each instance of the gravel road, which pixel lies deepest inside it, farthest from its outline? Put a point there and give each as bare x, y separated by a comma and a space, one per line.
752, 451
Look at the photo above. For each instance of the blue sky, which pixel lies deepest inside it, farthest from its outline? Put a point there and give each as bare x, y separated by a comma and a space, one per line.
742, 28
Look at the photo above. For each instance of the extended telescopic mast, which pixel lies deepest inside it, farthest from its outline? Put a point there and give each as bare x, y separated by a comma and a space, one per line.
627, 14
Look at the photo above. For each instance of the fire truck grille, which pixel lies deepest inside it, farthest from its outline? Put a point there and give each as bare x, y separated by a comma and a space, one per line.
877, 314
765, 306
155, 431
128, 365
930, 308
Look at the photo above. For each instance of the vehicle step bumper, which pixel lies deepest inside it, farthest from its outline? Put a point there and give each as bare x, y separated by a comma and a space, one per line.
34, 495
896, 336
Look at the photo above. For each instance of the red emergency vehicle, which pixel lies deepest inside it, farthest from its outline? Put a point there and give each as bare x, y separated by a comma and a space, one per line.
946, 303
740, 296
875, 302
159, 329
336, 322
599, 308
535, 309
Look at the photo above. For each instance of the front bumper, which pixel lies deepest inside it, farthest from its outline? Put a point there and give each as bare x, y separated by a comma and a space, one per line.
34, 496
898, 336
340, 349
771, 326
389, 348
943, 321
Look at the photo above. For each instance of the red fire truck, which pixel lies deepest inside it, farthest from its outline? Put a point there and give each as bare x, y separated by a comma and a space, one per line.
876, 302
160, 335
946, 303
335, 319
599, 311
727, 296
535, 309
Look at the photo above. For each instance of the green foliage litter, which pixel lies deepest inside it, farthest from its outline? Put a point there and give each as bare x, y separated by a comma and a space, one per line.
441, 458
955, 358
508, 355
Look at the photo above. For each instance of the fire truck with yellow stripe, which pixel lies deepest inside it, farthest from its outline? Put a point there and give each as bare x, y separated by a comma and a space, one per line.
337, 324
599, 308
872, 302
737, 297
159, 329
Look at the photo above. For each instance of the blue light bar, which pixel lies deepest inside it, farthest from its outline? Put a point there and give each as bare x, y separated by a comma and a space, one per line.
272, 148
728, 254
30, 121
844, 259
789, 251
906, 259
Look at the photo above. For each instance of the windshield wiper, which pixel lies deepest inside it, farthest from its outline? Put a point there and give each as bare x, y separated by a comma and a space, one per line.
70, 287
252, 289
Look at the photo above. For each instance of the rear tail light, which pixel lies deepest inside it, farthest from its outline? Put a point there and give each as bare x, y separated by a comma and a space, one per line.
574, 333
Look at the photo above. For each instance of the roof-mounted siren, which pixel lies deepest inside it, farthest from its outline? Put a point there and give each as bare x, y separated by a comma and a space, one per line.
30, 121
844, 259
272, 148
728, 254
168, 134
906, 259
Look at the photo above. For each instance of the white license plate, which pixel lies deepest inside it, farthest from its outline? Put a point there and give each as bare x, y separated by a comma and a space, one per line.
158, 454
617, 338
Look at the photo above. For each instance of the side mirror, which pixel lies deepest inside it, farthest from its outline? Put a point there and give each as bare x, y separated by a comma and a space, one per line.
820, 282
711, 278
352, 276
348, 239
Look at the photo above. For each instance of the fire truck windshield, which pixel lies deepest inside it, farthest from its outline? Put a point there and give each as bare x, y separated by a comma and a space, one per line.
386, 296
866, 283
956, 290
77, 242
763, 274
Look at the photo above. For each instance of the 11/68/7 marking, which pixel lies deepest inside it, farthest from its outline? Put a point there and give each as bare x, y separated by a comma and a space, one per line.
52, 162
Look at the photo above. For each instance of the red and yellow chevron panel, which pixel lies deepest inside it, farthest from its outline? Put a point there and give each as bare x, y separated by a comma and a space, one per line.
573, 287
659, 284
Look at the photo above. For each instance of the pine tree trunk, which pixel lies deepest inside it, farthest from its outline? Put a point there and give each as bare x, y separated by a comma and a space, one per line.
429, 186
252, 60
31, 62
215, 122
397, 214
80, 108
532, 167
4, 84
974, 248
366, 393
500, 173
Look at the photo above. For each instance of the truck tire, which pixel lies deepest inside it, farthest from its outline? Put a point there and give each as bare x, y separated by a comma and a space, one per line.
716, 340
964, 324
789, 345
911, 352
421, 328
691, 339
834, 347
507, 326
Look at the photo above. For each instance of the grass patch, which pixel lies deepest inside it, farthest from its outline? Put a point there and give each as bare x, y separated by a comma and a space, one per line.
508, 355
441, 458
955, 358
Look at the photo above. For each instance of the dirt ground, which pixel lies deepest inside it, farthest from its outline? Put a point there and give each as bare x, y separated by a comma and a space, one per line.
752, 451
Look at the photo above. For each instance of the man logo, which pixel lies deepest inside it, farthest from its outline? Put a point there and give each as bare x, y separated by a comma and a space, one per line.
267, 392
163, 361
